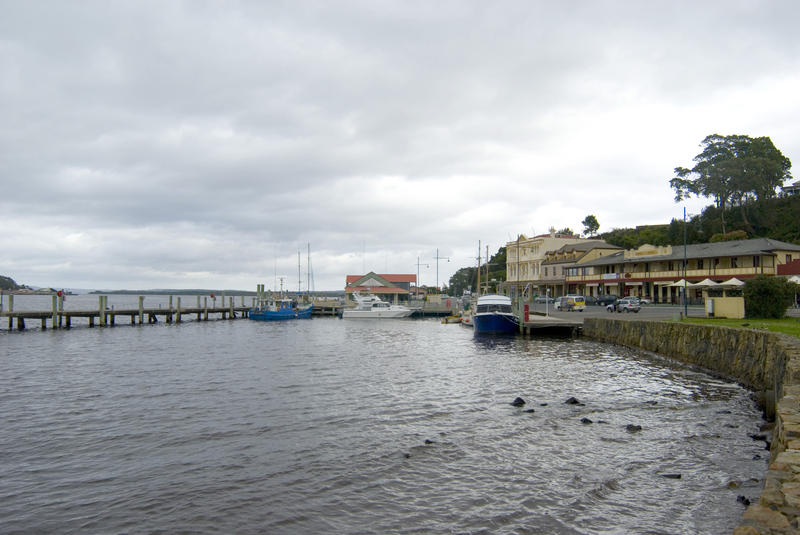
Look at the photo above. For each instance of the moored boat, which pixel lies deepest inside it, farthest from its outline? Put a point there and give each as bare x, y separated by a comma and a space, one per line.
268, 308
493, 315
371, 307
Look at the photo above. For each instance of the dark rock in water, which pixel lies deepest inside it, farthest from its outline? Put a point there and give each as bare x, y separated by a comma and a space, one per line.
758, 437
518, 402
601, 422
743, 500
671, 476
572, 401
543, 404
407, 455
429, 441
651, 402
586, 421
756, 457
530, 410
630, 428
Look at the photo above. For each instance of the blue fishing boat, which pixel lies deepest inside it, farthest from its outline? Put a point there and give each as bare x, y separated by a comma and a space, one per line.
270, 308
279, 309
493, 315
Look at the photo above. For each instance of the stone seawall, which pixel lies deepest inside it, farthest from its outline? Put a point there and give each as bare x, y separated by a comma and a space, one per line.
769, 364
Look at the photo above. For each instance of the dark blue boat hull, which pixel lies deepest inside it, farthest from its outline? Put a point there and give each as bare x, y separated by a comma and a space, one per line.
279, 315
492, 323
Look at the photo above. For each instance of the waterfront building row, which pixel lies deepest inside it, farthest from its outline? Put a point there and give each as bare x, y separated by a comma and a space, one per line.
594, 268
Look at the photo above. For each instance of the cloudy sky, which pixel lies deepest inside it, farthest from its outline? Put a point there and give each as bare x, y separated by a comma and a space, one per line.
172, 144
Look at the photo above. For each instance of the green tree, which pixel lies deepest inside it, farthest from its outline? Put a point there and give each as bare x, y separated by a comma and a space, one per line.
463, 279
767, 297
732, 170
7, 283
590, 225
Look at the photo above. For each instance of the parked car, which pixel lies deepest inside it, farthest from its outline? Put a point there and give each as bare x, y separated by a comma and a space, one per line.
627, 304
590, 300
607, 299
644, 301
570, 303
543, 299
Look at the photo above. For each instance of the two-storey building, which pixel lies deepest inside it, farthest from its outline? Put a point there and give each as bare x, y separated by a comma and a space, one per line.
652, 271
558, 263
524, 257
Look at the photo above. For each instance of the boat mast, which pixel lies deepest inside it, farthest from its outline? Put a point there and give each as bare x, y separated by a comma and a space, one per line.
299, 276
487, 269
479, 268
308, 271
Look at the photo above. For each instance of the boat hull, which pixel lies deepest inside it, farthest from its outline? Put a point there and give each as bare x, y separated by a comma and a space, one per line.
379, 314
495, 323
280, 315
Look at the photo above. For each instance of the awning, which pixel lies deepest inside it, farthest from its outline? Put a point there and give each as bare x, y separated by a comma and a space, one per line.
634, 283
707, 283
734, 282
679, 284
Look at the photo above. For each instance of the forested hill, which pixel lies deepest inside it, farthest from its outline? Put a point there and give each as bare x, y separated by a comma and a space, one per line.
777, 218
7, 283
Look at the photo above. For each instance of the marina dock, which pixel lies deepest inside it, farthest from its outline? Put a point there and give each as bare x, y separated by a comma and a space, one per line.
551, 324
204, 309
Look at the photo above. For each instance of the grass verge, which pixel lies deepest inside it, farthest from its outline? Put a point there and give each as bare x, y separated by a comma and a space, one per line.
790, 326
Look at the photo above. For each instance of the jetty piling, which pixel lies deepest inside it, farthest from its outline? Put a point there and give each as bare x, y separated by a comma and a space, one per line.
104, 315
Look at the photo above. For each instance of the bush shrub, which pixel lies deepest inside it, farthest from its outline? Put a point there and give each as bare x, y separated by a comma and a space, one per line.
767, 297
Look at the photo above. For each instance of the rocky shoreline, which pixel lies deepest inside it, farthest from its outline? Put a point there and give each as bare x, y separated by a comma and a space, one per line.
769, 364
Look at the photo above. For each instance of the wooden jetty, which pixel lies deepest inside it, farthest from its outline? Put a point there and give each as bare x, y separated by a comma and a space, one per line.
103, 315
537, 324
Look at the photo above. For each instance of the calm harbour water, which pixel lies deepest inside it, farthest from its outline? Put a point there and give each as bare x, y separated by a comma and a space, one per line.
356, 426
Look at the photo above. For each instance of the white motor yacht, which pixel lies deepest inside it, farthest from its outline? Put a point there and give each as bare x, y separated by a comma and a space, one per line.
371, 306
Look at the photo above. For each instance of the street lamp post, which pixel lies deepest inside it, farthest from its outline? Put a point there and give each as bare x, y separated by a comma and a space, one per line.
437, 266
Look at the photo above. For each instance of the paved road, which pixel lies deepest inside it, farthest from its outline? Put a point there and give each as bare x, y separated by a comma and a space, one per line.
648, 312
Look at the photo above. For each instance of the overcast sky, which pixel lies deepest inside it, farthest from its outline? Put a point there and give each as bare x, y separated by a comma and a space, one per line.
203, 144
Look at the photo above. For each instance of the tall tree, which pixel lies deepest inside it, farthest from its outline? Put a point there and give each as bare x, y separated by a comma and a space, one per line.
590, 225
731, 170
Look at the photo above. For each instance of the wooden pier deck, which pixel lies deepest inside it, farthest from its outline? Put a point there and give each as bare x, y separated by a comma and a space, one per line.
103, 315
551, 324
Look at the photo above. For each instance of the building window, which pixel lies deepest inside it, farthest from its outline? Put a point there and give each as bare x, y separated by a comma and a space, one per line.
756, 261
670, 266
734, 262
699, 263
545, 272
788, 258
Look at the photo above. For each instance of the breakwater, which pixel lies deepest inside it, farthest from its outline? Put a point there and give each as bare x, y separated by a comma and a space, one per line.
769, 364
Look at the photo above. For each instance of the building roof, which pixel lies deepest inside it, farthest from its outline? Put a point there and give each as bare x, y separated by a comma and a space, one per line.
390, 278
375, 283
583, 247
755, 246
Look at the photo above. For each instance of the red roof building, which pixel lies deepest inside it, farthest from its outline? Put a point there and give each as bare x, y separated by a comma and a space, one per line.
383, 284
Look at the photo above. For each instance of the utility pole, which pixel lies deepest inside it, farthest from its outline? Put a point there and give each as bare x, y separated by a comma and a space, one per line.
419, 264
437, 266
685, 301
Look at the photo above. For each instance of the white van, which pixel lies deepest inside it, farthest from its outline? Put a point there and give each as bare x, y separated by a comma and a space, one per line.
570, 303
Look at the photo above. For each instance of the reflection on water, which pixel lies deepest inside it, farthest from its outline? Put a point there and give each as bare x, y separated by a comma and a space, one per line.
363, 427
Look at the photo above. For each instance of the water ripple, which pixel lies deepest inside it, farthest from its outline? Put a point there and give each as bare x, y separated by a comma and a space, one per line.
360, 427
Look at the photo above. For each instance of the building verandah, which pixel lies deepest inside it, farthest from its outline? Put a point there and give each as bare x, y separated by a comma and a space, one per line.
651, 271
